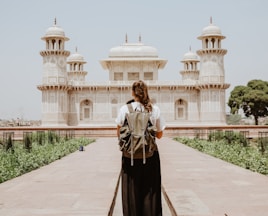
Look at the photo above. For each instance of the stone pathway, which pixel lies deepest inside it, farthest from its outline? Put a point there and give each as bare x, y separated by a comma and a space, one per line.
83, 184
80, 184
201, 185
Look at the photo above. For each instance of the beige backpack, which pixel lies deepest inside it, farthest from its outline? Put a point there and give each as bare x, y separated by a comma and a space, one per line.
137, 135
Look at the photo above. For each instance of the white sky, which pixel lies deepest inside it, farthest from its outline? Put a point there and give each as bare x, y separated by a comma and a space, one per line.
95, 26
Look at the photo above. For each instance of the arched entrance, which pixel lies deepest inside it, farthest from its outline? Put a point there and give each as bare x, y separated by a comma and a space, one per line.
86, 110
181, 110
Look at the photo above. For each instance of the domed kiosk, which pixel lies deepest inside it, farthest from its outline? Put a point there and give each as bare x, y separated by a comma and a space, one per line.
190, 73
76, 73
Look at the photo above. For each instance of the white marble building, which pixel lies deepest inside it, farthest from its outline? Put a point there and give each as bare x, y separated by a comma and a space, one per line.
69, 100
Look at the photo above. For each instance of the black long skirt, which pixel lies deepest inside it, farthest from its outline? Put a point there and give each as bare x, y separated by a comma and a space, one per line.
141, 187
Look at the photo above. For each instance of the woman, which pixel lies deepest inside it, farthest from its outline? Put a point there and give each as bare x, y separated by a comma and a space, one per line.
141, 183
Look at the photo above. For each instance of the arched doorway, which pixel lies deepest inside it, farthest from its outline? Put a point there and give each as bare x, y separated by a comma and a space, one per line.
181, 109
86, 110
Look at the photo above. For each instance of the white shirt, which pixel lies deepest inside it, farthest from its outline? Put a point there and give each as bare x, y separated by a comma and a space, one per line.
155, 117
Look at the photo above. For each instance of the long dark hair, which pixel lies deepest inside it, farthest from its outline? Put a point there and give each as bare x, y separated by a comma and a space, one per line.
140, 90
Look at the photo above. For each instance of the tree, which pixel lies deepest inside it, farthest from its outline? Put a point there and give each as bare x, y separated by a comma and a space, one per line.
253, 99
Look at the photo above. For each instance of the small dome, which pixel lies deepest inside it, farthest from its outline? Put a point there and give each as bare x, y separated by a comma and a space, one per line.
190, 56
133, 50
55, 31
76, 57
211, 30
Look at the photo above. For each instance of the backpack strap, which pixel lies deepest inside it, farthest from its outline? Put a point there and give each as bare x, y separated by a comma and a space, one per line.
130, 108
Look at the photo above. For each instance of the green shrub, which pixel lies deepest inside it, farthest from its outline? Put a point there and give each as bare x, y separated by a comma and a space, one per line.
248, 157
21, 161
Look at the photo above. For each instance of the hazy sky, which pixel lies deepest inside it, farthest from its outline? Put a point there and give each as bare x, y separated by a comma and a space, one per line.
95, 26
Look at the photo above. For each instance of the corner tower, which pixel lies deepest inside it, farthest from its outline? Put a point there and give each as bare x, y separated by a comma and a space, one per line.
212, 84
55, 80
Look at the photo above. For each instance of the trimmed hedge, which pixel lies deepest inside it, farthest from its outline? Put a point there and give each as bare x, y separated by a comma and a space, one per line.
19, 160
235, 152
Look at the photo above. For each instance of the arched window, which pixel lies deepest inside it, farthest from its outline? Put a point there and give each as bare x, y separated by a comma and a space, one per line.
181, 109
213, 43
53, 44
60, 48
206, 41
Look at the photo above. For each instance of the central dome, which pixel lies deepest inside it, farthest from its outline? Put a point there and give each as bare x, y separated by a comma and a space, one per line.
133, 50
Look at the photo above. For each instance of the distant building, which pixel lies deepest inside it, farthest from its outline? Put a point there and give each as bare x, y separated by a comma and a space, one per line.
68, 99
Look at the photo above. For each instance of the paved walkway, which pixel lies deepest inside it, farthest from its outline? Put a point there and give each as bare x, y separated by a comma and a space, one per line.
83, 184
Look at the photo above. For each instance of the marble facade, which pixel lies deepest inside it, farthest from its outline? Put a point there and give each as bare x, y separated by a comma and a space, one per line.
69, 100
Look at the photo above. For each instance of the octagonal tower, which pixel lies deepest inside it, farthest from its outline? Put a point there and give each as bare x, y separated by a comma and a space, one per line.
55, 81
211, 83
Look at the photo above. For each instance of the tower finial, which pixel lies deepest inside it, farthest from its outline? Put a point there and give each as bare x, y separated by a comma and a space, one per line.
126, 38
76, 49
55, 21
211, 20
190, 49
140, 38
